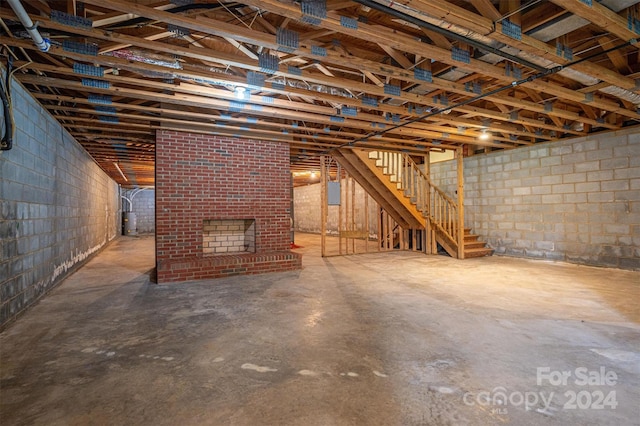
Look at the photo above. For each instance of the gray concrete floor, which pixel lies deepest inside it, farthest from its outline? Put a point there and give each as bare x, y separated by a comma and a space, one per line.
377, 339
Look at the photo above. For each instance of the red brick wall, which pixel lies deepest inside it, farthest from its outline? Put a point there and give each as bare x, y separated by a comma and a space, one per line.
202, 177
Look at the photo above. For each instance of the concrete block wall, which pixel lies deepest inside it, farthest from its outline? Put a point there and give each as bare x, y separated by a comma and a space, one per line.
205, 177
57, 207
144, 206
307, 210
576, 200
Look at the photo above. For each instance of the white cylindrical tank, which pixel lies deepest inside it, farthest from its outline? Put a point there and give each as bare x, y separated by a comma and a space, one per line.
129, 223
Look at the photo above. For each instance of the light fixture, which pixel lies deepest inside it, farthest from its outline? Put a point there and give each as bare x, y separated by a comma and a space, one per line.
307, 173
240, 92
484, 135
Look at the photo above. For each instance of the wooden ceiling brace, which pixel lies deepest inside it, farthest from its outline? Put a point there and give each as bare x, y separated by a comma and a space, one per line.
453, 85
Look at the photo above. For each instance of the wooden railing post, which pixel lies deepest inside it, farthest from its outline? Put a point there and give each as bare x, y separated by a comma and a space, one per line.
460, 158
324, 177
443, 215
427, 194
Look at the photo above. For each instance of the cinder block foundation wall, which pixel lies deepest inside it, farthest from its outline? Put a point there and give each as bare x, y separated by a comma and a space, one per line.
576, 200
144, 206
202, 178
57, 207
307, 208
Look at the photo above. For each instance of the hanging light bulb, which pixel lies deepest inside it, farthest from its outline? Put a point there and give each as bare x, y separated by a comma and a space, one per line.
240, 92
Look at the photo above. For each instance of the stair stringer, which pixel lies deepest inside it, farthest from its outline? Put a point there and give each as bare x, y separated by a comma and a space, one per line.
377, 189
391, 186
441, 237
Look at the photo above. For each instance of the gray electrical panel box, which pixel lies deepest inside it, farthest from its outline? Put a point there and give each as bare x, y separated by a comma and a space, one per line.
333, 193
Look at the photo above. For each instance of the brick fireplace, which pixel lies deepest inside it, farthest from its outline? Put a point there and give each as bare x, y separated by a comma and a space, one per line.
222, 207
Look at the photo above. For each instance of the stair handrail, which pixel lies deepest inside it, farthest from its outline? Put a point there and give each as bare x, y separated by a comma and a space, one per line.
433, 202
430, 182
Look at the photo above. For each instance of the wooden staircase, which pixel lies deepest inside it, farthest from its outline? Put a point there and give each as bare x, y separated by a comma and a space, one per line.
406, 192
473, 247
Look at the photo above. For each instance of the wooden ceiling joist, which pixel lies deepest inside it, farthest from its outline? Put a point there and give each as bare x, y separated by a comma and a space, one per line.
363, 76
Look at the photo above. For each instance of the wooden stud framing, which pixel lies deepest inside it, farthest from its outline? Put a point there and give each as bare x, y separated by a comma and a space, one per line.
460, 218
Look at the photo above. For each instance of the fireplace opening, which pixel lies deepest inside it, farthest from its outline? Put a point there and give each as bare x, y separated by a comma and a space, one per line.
228, 236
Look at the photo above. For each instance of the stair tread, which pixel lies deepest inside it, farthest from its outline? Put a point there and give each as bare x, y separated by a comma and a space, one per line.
474, 245
481, 249
388, 166
478, 252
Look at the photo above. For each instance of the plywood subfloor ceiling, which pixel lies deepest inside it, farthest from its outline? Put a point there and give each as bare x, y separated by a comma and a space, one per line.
413, 75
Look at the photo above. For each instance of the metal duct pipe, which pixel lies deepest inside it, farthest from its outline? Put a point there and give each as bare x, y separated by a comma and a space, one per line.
41, 43
621, 93
538, 63
440, 23
569, 22
578, 76
517, 83
585, 79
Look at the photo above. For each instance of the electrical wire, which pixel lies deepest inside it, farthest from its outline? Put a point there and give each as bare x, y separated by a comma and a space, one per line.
7, 106
547, 72
455, 36
518, 10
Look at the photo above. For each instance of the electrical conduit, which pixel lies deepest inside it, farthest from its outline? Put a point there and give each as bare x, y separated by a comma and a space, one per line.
41, 43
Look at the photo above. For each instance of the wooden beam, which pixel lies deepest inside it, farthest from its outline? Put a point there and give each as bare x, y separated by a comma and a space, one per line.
535, 96
398, 41
117, 17
460, 199
509, 101
242, 48
510, 7
438, 39
540, 15
324, 204
313, 35
459, 16
617, 59
71, 7
486, 9
600, 16
193, 116
373, 78
151, 37
339, 4
324, 70
122, 63
232, 60
266, 24
397, 56
40, 5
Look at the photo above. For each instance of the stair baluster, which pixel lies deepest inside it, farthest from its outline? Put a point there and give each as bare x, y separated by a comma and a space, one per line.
430, 201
